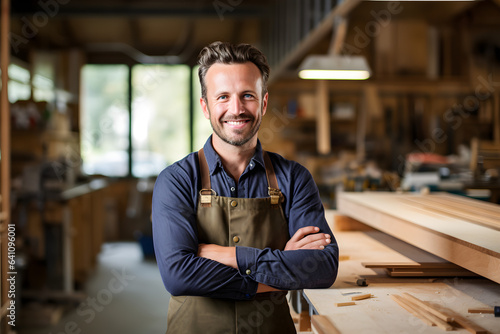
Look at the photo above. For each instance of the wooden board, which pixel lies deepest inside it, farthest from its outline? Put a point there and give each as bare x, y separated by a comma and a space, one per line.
380, 314
466, 243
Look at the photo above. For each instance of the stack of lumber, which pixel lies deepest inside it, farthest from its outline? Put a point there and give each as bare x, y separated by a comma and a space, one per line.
461, 230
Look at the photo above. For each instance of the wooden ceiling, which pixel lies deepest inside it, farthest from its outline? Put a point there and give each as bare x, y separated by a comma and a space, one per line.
173, 30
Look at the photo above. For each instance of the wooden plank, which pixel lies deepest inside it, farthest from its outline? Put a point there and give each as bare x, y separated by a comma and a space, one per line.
405, 265
436, 205
436, 269
322, 325
344, 304
468, 325
460, 241
346, 223
441, 315
410, 308
423, 313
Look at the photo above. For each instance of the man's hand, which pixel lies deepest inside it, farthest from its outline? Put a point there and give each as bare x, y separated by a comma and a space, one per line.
305, 239
224, 255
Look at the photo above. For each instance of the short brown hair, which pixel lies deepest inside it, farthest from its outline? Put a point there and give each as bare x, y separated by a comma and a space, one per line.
227, 53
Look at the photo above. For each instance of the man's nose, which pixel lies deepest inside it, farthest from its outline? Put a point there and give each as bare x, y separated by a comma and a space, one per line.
237, 106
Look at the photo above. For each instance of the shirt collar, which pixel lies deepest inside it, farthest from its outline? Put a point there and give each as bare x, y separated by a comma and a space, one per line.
214, 162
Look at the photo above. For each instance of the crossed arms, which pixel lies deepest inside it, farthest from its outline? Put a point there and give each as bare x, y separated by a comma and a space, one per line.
305, 238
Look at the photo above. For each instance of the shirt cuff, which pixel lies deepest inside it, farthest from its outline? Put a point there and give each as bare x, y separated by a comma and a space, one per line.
246, 258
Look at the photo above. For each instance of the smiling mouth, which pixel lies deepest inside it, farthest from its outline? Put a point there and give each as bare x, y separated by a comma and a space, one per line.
238, 122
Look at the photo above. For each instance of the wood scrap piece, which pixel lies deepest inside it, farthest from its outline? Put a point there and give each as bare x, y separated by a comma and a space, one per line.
404, 304
468, 325
344, 257
361, 297
481, 310
345, 304
323, 325
441, 315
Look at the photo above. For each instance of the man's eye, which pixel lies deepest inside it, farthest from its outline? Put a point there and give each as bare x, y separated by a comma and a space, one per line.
248, 96
222, 97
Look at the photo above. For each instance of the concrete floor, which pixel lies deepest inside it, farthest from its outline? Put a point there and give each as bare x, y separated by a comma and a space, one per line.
125, 295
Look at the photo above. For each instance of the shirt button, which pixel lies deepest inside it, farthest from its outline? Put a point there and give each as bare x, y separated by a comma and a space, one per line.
248, 272
233, 188
236, 239
234, 204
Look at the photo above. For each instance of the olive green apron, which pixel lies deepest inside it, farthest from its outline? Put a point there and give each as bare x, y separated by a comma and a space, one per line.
226, 221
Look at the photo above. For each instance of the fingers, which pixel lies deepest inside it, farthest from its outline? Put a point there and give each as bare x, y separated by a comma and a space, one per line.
302, 232
314, 241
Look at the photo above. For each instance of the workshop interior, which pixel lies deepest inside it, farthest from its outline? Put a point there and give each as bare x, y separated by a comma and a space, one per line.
392, 106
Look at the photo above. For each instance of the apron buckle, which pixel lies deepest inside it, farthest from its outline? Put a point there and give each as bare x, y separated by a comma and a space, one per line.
275, 195
206, 196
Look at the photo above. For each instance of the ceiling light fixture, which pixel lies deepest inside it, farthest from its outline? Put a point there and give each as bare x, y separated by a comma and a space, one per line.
334, 67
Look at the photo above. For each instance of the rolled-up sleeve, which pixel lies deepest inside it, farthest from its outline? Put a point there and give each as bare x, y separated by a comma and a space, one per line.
176, 242
296, 269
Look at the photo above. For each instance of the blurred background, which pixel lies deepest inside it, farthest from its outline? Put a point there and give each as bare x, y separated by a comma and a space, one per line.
102, 95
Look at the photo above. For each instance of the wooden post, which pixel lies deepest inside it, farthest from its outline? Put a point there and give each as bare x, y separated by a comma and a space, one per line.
496, 118
323, 136
5, 160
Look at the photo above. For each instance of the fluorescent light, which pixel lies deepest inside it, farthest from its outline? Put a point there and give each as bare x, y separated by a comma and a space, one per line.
334, 75
329, 67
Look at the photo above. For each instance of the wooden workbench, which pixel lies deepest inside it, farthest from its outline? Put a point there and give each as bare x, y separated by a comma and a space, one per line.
380, 314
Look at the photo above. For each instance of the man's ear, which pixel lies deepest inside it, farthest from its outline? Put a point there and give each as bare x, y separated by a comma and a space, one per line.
264, 104
204, 108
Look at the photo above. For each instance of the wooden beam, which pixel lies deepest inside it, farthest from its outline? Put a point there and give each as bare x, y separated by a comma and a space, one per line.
323, 135
338, 37
322, 30
471, 246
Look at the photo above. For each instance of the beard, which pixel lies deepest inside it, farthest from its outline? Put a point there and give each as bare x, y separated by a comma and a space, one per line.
238, 137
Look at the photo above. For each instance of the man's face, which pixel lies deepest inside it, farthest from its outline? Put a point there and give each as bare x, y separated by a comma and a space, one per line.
234, 103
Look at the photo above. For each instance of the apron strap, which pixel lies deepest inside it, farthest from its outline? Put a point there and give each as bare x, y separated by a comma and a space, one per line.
272, 182
204, 171
206, 189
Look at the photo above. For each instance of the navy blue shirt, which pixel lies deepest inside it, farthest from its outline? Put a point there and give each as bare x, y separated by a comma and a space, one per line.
175, 200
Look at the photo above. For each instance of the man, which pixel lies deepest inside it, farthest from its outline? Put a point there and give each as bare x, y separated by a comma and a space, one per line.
234, 227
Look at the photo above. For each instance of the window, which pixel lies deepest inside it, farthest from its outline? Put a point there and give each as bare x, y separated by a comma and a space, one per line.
160, 124
19, 83
104, 120
160, 117
201, 126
